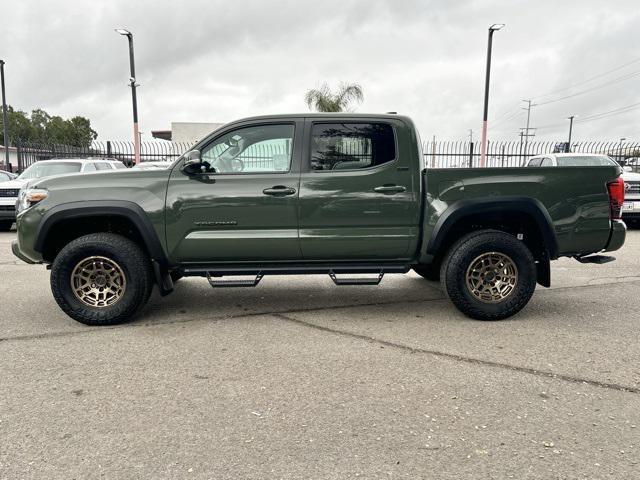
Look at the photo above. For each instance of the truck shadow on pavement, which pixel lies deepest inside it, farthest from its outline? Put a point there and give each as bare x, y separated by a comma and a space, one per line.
194, 299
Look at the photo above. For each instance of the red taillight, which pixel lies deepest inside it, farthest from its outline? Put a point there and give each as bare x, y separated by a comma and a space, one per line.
616, 197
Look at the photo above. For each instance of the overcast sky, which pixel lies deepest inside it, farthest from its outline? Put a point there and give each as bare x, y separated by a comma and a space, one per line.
216, 61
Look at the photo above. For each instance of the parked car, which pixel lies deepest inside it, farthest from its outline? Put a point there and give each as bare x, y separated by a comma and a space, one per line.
152, 165
339, 194
5, 176
631, 207
10, 189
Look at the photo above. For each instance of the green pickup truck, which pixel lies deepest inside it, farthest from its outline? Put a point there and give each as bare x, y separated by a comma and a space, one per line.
340, 194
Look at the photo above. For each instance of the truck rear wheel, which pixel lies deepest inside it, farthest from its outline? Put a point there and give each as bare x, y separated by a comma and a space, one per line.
101, 279
489, 275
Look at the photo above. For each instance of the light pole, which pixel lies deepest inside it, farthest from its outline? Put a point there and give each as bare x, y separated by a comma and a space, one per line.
5, 126
570, 131
483, 146
621, 140
134, 99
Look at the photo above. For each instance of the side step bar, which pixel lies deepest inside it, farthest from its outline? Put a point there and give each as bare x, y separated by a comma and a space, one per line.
598, 259
356, 281
234, 283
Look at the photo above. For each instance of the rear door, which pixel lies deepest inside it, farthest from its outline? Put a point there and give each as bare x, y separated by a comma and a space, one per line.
246, 208
358, 190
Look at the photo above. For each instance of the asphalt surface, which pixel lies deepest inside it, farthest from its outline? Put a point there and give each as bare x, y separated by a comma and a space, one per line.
298, 378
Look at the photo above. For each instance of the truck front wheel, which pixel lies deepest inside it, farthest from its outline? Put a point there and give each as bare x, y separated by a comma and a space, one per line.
489, 275
101, 279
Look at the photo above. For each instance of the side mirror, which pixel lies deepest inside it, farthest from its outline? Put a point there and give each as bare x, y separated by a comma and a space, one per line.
192, 162
192, 157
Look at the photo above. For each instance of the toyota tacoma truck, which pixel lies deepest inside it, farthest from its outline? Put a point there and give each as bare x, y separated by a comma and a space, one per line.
340, 194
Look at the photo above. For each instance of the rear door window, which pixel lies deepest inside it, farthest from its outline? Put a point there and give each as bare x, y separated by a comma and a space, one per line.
351, 146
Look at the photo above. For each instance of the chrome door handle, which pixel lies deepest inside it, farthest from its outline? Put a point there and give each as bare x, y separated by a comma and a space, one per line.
390, 189
279, 191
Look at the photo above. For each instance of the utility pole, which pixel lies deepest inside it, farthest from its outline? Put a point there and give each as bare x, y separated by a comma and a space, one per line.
470, 135
527, 135
570, 130
5, 123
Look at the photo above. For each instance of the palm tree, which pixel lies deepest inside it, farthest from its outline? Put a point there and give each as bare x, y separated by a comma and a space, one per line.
324, 100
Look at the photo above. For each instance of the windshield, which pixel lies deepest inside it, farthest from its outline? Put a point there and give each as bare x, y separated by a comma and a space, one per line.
585, 161
48, 169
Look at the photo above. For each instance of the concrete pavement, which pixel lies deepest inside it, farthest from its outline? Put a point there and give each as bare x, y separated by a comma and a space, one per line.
301, 379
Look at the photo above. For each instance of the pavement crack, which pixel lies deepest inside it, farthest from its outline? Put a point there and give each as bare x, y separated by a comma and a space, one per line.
462, 358
134, 324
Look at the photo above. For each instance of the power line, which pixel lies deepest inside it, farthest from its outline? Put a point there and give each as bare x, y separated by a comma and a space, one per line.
589, 79
612, 82
596, 116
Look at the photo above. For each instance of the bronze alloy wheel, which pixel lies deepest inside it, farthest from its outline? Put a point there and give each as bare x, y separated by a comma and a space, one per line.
492, 277
98, 282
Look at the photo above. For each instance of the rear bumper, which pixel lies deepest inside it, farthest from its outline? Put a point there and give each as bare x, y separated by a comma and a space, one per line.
618, 235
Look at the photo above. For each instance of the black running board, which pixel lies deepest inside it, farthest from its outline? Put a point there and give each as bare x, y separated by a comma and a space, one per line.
222, 270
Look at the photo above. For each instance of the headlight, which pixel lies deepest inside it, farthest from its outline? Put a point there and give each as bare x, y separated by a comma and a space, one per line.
30, 196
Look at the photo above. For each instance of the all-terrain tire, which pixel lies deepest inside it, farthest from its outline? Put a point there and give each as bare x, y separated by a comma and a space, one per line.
466, 252
126, 254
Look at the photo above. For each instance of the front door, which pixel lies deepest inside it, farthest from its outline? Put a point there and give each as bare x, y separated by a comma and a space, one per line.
244, 208
358, 191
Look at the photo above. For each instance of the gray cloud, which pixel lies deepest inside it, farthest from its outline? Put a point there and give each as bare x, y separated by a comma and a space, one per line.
221, 60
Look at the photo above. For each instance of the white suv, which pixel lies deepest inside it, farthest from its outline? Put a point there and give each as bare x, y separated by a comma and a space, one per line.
10, 190
631, 207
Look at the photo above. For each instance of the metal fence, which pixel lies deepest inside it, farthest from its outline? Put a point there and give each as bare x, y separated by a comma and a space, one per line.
440, 154
119, 150
464, 154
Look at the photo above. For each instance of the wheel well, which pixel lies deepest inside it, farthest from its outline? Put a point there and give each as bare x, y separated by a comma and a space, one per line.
66, 230
513, 222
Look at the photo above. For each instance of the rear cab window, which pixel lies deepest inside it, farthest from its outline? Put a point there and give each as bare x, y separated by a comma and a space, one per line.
585, 161
351, 146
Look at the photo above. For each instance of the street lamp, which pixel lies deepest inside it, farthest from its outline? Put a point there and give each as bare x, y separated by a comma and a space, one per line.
132, 82
570, 131
5, 125
483, 146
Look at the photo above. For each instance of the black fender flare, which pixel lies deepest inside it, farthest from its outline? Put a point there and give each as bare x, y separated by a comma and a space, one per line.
473, 206
94, 208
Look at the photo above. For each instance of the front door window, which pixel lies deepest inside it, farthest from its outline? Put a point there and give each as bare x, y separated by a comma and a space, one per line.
256, 149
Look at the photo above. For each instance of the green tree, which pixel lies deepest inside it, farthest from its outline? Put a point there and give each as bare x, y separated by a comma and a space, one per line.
322, 99
41, 127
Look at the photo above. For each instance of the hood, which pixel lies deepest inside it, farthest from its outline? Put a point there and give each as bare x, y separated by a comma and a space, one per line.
15, 183
108, 178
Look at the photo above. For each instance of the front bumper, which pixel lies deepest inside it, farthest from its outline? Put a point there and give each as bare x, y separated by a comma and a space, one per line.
618, 235
15, 248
